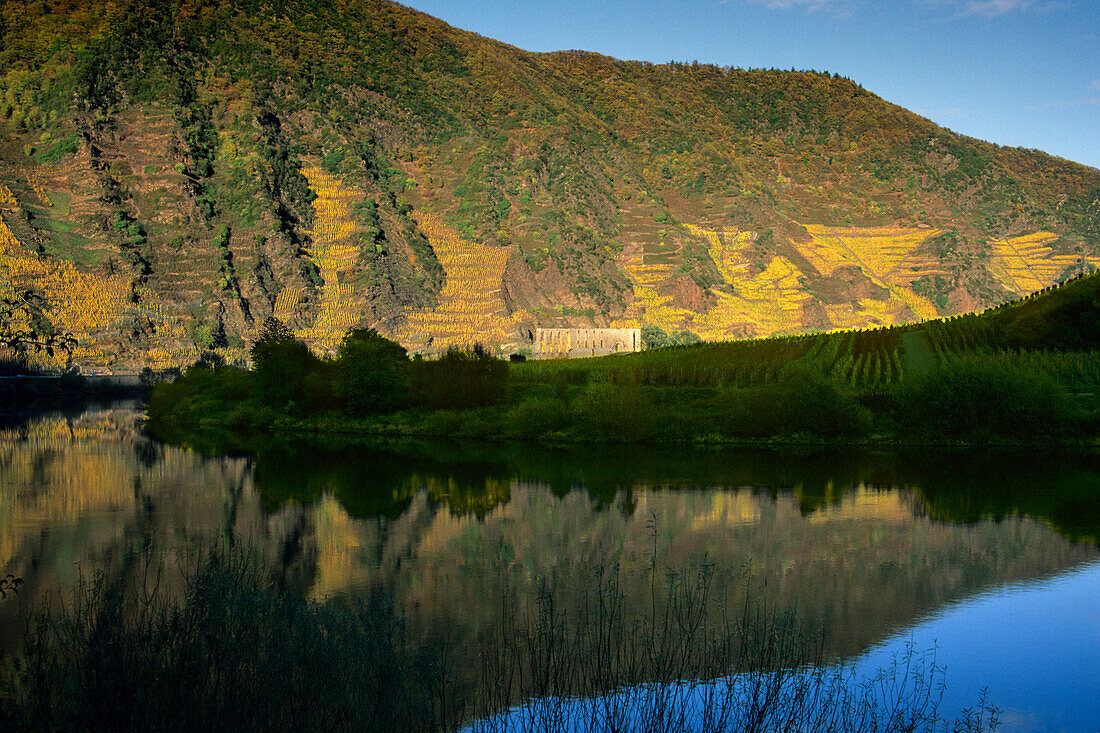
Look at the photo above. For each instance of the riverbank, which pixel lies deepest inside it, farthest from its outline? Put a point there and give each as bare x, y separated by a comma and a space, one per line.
26, 394
1025, 374
970, 404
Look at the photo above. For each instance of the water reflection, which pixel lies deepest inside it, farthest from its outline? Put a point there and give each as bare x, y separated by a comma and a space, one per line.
863, 543
1033, 646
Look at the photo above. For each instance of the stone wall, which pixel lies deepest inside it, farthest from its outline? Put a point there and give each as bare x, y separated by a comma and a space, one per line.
558, 343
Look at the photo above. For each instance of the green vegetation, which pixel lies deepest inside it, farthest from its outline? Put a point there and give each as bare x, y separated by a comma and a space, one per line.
1027, 372
370, 376
654, 337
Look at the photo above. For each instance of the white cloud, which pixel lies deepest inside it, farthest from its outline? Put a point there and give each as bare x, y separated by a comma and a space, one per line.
995, 8
943, 112
991, 8
835, 5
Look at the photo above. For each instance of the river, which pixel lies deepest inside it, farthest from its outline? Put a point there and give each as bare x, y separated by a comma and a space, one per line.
989, 561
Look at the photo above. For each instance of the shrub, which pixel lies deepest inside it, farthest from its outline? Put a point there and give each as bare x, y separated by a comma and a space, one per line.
444, 423
608, 413
534, 417
976, 399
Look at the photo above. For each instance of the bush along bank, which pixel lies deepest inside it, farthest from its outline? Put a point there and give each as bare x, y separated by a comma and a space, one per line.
372, 387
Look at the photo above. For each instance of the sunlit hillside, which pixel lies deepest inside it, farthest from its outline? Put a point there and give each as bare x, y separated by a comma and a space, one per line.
772, 294
170, 178
753, 300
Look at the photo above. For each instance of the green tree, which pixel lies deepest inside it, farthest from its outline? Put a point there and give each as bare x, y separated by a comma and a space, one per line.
654, 337
281, 364
371, 373
684, 338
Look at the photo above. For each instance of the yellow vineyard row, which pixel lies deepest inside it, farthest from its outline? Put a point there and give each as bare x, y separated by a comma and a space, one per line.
758, 302
7, 199
38, 185
470, 307
8, 242
339, 309
84, 304
332, 206
878, 251
773, 299
1026, 264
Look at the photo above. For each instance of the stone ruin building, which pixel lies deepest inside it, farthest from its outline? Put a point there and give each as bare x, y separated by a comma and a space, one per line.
563, 343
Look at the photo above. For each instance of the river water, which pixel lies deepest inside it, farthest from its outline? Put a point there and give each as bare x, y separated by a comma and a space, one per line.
990, 560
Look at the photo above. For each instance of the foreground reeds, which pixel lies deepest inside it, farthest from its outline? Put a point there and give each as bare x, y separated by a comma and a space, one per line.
235, 652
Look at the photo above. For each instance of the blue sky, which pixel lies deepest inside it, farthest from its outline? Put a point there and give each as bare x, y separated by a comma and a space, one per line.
1016, 72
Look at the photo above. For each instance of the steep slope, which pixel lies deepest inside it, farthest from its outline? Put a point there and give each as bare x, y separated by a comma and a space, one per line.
193, 167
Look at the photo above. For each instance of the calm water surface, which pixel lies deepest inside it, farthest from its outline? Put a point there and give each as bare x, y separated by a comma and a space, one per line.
990, 559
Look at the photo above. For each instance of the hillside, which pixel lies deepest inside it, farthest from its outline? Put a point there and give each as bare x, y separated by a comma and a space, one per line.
173, 173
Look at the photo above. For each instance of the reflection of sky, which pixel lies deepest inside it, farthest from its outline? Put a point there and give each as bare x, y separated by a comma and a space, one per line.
1035, 645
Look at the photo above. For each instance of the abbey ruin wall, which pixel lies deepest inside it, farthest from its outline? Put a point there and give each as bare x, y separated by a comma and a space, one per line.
560, 343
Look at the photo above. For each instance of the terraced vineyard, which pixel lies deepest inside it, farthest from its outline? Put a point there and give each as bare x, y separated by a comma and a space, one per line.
754, 301
1026, 264
87, 305
470, 309
771, 297
888, 256
335, 253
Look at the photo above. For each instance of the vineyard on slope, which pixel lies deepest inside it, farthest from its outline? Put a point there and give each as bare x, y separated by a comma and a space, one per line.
83, 304
755, 301
470, 308
769, 297
1055, 332
334, 252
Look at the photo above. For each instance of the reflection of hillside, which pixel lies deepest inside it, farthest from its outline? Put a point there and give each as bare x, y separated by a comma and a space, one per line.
78, 494
864, 566
452, 533
1054, 487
